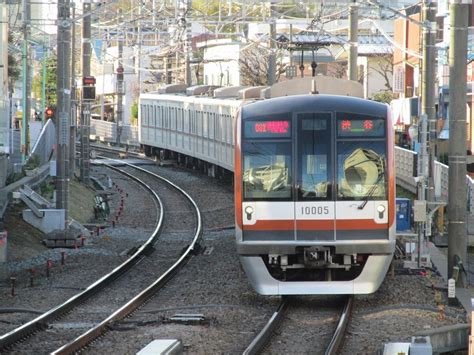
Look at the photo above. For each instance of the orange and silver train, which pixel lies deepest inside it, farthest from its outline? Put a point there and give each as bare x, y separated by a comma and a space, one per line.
314, 177
314, 194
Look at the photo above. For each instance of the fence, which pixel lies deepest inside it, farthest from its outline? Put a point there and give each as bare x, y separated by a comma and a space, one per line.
44, 146
107, 132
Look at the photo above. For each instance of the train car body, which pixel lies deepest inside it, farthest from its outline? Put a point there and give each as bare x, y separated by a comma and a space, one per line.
194, 126
314, 194
314, 180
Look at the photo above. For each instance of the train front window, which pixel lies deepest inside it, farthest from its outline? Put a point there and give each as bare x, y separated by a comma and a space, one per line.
361, 170
267, 171
314, 156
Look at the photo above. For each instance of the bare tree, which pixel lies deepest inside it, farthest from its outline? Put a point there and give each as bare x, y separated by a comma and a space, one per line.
384, 67
338, 70
254, 65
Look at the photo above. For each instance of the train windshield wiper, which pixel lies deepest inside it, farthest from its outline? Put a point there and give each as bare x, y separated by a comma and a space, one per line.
371, 191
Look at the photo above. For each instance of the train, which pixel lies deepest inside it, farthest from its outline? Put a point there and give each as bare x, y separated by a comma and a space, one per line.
314, 177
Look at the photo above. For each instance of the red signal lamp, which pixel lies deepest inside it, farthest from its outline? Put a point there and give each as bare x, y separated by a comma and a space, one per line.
49, 112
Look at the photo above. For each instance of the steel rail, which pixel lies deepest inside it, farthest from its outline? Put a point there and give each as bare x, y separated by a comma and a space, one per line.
41, 321
259, 342
101, 328
338, 336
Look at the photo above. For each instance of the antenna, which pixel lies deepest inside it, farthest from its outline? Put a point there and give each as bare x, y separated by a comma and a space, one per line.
313, 87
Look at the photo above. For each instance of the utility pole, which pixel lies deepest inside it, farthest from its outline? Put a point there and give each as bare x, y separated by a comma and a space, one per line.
187, 44
139, 61
26, 81
271, 56
63, 90
85, 114
120, 84
457, 235
43, 85
428, 87
353, 38
73, 129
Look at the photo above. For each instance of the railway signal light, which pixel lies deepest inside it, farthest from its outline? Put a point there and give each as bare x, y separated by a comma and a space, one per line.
88, 88
49, 112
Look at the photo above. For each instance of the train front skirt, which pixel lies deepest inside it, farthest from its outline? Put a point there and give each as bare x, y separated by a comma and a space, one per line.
367, 282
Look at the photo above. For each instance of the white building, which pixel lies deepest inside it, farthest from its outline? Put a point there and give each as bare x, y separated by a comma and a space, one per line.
221, 62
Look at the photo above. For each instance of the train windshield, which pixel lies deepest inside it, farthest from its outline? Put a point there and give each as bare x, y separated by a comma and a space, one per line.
361, 171
267, 170
314, 156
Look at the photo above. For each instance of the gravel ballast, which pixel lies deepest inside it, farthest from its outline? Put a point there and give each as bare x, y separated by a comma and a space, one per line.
213, 284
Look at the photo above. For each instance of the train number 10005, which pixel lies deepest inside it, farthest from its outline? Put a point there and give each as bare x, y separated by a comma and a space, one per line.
307, 210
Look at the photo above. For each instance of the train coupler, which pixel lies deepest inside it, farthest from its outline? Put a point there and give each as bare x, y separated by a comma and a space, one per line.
317, 257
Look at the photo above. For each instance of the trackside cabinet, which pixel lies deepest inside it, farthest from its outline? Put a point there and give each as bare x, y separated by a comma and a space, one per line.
403, 213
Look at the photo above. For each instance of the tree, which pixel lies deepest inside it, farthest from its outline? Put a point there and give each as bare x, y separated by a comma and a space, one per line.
254, 65
13, 66
384, 67
51, 69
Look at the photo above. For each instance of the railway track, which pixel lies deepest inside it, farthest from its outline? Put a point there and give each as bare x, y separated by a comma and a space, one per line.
266, 336
78, 305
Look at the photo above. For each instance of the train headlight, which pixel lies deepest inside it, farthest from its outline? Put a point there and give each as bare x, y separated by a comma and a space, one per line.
380, 210
248, 211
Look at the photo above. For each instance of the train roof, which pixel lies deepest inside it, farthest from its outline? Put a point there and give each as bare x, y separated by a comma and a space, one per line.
205, 100
314, 103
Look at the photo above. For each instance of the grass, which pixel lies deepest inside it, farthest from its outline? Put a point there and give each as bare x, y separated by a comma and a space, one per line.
402, 193
81, 202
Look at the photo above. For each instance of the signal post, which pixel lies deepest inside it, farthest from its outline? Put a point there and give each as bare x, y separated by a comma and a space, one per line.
87, 83
88, 95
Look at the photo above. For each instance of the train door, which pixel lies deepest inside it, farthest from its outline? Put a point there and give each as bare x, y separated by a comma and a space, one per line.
314, 200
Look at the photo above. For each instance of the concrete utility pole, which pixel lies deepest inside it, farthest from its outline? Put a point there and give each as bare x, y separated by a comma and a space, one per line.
271, 56
63, 90
26, 87
187, 44
73, 129
457, 235
353, 38
120, 85
428, 86
85, 114
139, 61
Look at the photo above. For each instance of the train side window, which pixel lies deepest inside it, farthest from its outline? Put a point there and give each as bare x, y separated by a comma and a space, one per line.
267, 171
314, 156
205, 124
186, 121
199, 122
361, 170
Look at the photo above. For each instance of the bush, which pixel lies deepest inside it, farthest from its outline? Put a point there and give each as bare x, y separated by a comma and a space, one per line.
134, 113
33, 162
383, 96
46, 189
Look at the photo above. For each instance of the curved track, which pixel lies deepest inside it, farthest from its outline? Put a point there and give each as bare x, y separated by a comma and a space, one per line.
44, 320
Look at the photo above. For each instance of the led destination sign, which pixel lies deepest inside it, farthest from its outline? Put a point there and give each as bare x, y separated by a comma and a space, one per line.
361, 127
267, 129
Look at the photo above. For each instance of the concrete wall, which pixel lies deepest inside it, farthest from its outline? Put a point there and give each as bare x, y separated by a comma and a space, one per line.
4, 103
52, 220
